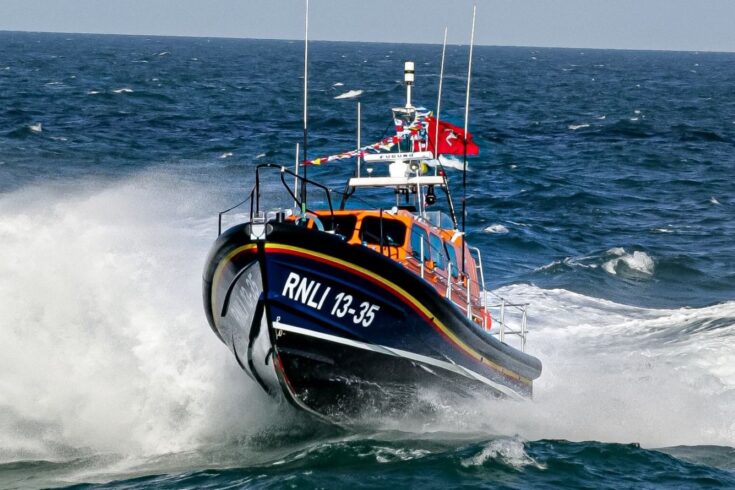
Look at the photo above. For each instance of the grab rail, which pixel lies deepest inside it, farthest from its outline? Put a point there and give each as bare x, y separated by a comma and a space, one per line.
507, 328
254, 195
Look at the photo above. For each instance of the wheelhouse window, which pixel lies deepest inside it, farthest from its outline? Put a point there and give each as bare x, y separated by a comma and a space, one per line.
452, 254
393, 231
417, 234
437, 251
344, 225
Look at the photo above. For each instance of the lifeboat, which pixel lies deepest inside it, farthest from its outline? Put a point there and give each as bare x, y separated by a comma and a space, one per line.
348, 310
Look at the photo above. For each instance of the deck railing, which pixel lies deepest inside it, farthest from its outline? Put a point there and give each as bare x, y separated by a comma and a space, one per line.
511, 318
507, 318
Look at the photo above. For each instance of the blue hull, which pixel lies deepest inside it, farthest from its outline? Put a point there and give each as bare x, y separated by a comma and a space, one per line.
342, 331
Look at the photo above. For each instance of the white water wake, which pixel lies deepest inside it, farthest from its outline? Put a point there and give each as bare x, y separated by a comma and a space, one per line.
104, 347
617, 373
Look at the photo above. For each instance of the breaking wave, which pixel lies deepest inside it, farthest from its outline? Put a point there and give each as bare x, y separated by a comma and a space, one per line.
351, 94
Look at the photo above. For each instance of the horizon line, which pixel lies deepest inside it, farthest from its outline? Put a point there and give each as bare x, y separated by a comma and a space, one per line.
185, 36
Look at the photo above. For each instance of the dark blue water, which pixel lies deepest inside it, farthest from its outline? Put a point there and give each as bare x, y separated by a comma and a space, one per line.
603, 195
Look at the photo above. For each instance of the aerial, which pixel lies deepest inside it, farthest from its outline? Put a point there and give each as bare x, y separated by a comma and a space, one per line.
314, 245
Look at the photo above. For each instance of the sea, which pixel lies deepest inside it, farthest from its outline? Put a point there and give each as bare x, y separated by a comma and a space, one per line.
603, 196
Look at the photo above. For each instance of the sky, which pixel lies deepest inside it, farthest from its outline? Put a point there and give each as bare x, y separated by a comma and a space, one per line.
690, 25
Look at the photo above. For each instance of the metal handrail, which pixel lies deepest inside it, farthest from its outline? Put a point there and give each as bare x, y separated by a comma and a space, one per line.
285, 171
505, 329
219, 222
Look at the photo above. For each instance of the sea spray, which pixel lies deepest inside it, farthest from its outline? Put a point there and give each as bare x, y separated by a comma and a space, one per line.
104, 344
660, 377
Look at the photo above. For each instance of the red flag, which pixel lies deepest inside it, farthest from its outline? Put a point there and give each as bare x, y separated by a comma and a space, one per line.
451, 139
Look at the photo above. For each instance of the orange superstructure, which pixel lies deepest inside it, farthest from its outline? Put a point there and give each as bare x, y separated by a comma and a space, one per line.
432, 252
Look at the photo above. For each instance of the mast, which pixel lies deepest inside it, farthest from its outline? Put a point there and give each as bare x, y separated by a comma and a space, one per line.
306, 106
466, 120
439, 97
359, 135
436, 134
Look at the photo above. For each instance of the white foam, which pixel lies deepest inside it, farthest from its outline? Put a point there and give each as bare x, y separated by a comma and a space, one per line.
639, 262
350, 94
617, 373
601, 117
226, 154
384, 454
338, 84
508, 451
713, 200
123, 90
104, 347
496, 228
259, 156
574, 127
36, 127
92, 92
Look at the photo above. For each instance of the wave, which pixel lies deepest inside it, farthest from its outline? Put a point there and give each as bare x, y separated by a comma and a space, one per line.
619, 262
431, 460
636, 262
351, 94
687, 133
618, 373
26, 131
496, 228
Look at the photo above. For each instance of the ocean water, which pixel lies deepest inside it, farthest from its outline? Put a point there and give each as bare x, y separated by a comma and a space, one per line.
603, 196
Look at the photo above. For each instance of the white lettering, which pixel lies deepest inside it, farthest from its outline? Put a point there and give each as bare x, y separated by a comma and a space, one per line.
291, 282
324, 297
307, 291
303, 290
311, 301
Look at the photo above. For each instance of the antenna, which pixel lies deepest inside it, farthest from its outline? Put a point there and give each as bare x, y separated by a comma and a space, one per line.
436, 134
296, 176
306, 107
359, 143
439, 97
466, 120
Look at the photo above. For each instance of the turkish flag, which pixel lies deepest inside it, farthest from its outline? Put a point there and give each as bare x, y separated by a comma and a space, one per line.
451, 139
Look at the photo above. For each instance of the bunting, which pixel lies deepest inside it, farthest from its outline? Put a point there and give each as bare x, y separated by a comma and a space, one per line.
417, 132
383, 145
